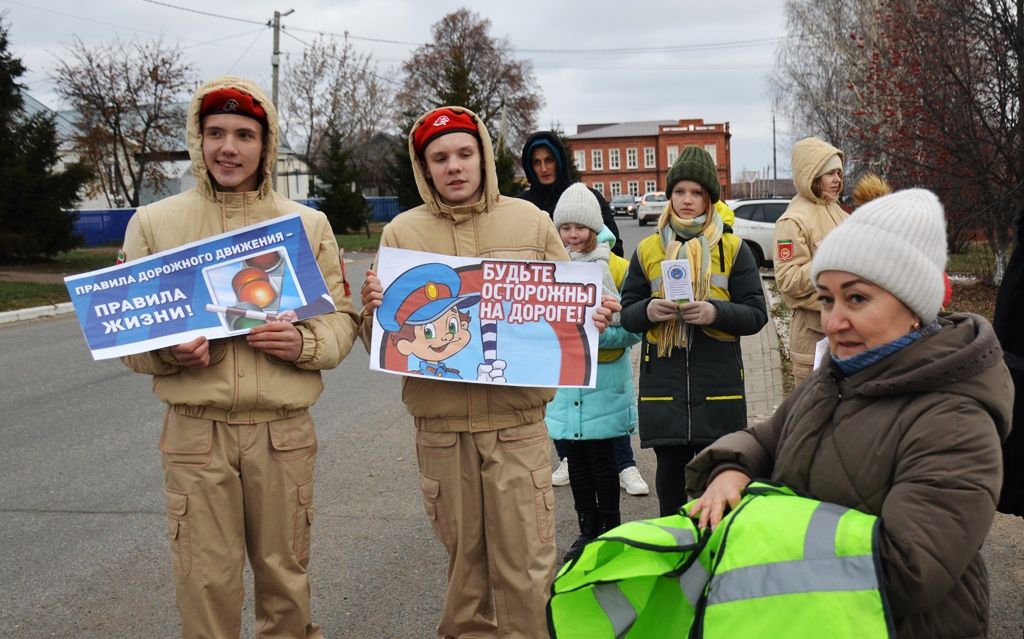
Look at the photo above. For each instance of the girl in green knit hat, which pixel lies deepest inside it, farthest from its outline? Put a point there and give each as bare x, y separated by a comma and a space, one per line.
691, 367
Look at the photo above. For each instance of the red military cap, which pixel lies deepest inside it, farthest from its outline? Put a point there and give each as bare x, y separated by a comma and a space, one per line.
234, 102
439, 122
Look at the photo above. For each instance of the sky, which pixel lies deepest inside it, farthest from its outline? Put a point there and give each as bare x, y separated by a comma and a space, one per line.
593, 61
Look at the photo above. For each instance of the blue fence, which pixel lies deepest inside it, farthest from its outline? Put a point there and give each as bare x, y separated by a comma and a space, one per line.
107, 226
103, 226
384, 208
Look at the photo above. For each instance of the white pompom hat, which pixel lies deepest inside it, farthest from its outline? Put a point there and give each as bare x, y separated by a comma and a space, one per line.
898, 242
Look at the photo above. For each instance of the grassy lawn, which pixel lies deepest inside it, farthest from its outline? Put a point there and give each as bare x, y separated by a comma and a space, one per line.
976, 261
18, 295
70, 263
976, 296
360, 241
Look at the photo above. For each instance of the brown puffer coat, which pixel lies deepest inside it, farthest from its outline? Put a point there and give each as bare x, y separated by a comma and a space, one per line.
914, 439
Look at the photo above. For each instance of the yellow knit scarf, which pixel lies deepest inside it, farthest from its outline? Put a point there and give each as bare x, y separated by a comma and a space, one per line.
698, 236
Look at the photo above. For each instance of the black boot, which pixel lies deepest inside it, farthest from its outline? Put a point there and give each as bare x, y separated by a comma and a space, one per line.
590, 527
609, 519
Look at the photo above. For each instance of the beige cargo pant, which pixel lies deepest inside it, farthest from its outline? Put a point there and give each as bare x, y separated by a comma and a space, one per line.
804, 334
489, 498
234, 490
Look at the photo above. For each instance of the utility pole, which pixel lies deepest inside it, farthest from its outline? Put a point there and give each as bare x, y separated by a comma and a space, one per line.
275, 63
775, 167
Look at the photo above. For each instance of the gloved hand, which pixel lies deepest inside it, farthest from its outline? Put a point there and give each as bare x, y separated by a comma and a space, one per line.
699, 313
660, 310
493, 373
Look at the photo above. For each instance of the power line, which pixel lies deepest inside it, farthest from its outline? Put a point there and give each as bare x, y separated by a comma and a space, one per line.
244, 53
373, 73
204, 13
601, 51
225, 38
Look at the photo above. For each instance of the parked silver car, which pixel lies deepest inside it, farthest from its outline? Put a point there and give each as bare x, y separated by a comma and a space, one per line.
650, 207
755, 223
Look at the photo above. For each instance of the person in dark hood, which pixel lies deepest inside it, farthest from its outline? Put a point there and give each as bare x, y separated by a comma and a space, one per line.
546, 165
1007, 321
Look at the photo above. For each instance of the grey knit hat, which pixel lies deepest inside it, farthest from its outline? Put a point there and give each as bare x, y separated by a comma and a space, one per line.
577, 205
898, 242
695, 164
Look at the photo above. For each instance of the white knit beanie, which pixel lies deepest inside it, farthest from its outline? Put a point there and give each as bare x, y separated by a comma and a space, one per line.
577, 205
898, 242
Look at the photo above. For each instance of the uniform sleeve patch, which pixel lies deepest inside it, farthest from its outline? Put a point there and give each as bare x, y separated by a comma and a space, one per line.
784, 250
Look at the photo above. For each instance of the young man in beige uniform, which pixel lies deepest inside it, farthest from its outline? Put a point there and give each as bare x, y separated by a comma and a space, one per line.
238, 443
483, 449
813, 213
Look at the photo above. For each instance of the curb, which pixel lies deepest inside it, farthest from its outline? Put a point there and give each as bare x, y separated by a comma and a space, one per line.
22, 314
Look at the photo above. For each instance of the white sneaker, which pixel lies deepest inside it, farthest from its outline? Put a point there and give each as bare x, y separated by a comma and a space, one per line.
631, 480
561, 475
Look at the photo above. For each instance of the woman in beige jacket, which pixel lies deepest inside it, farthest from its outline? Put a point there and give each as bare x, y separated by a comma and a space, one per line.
813, 213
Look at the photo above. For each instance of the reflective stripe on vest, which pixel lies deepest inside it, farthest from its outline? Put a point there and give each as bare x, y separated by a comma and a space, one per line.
826, 573
650, 254
615, 605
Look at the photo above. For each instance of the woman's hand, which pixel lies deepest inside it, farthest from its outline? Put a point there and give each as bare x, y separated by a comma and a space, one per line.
662, 310
725, 490
699, 313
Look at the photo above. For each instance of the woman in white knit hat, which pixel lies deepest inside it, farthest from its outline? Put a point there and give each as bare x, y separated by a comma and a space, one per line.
903, 421
587, 421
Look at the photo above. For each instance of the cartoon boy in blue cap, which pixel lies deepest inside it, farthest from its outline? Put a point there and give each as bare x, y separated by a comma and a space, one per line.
423, 312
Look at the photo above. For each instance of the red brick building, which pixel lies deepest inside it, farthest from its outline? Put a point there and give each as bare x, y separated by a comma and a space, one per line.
634, 157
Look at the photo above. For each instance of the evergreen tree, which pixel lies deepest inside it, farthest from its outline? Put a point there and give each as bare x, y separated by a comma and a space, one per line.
505, 163
402, 178
344, 207
33, 195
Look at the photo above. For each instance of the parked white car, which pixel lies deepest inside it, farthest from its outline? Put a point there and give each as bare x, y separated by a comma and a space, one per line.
650, 207
755, 224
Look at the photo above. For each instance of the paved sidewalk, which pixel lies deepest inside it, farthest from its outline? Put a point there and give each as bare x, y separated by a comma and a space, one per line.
762, 370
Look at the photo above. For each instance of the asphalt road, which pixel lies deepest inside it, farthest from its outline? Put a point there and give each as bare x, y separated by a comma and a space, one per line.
81, 514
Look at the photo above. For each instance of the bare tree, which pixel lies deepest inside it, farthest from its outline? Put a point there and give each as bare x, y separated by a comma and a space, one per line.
927, 92
465, 65
333, 88
810, 82
940, 102
128, 97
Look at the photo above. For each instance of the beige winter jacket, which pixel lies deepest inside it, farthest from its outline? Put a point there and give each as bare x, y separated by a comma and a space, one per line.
241, 385
494, 227
799, 231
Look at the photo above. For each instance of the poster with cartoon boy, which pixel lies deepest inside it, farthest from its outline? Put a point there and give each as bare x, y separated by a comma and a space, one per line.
426, 318
491, 321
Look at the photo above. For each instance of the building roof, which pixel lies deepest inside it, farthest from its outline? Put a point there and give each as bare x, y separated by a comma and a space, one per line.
620, 129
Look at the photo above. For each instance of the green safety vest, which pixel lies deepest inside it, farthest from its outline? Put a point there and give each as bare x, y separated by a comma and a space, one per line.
778, 565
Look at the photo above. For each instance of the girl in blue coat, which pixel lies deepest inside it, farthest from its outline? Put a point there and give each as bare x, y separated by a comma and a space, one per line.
588, 419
